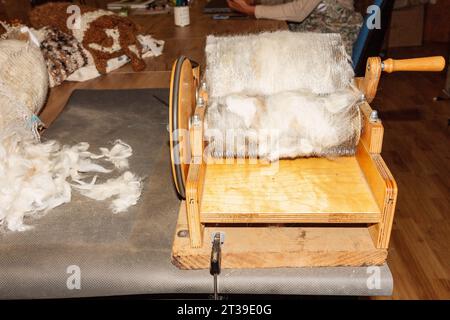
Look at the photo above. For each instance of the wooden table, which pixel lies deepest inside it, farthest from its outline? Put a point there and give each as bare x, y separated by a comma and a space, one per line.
188, 41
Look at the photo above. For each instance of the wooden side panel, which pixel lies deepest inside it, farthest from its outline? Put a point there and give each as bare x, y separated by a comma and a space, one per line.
276, 247
194, 191
195, 180
381, 232
373, 131
384, 189
372, 175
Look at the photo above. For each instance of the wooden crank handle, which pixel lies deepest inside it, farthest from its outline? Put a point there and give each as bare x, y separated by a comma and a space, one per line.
419, 64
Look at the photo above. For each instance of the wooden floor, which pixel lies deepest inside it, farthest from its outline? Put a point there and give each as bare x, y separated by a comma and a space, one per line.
417, 150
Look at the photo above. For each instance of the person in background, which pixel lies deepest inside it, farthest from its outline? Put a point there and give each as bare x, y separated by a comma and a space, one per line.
324, 16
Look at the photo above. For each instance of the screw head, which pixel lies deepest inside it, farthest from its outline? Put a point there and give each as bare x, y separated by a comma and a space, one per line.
195, 120
200, 101
183, 233
374, 116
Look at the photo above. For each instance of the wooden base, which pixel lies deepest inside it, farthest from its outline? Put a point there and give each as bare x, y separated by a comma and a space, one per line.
277, 247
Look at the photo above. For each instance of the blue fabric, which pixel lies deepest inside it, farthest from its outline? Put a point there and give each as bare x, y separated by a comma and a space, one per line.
363, 37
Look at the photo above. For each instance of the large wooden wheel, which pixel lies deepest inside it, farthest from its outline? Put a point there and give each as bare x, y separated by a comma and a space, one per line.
181, 108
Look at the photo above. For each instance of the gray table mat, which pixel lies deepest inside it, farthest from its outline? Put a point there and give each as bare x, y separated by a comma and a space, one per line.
129, 253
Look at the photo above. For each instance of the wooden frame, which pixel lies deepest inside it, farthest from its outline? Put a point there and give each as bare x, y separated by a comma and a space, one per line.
310, 212
277, 246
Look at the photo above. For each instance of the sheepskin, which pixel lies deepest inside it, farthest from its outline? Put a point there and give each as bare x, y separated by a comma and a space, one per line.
63, 54
37, 177
150, 48
284, 125
270, 63
103, 34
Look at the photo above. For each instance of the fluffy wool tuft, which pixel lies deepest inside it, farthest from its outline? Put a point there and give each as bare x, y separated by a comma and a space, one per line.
118, 155
284, 125
34, 176
126, 189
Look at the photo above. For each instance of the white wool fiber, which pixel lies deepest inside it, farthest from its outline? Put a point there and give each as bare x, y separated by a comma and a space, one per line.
118, 154
36, 177
285, 125
126, 189
274, 62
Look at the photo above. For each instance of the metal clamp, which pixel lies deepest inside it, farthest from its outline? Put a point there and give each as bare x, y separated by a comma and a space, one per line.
222, 236
218, 239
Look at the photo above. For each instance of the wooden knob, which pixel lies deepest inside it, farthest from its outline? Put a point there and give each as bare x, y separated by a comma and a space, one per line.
419, 64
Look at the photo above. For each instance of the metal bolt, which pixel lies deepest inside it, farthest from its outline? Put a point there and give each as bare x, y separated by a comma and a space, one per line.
374, 116
200, 101
195, 120
183, 233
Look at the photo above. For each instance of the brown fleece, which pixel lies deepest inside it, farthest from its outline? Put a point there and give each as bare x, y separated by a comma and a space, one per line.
55, 15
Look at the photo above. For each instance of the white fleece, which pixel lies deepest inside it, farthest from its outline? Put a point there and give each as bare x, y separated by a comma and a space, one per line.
34, 176
284, 125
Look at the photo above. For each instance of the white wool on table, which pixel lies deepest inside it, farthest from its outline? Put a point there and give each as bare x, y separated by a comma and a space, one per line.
150, 46
118, 155
269, 63
37, 177
126, 188
284, 125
